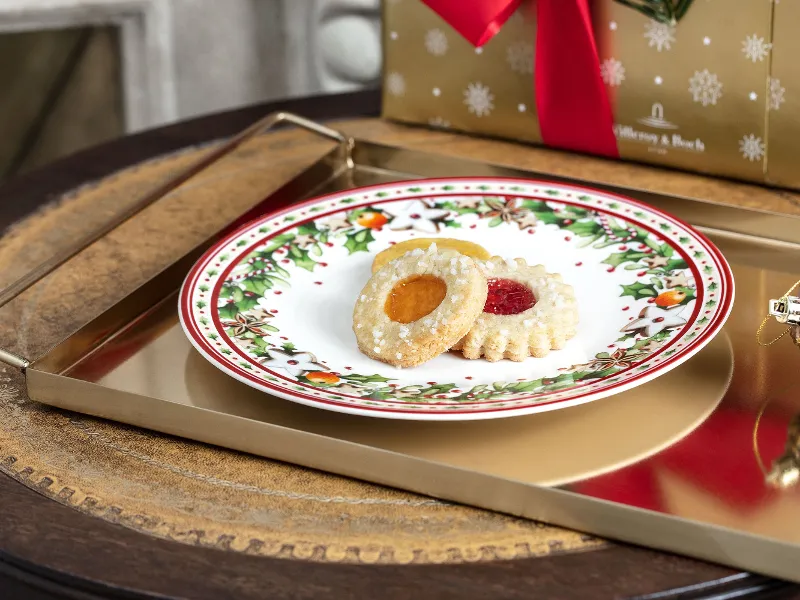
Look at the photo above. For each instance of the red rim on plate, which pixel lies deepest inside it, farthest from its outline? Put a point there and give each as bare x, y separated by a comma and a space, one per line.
271, 304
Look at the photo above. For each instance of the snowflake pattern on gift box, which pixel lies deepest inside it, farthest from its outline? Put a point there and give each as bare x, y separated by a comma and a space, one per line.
520, 57
436, 42
755, 48
659, 35
776, 93
705, 87
752, 148
612, 72
396, 84
479, 99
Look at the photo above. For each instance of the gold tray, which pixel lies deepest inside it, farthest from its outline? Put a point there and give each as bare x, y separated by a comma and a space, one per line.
669, 465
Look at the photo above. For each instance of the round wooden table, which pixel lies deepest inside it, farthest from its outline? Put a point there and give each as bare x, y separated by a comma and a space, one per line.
48, 550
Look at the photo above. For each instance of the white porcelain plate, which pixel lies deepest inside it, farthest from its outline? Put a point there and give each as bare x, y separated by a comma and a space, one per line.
272, 304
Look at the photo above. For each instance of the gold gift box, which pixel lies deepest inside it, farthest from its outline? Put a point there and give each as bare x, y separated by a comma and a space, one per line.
717, 93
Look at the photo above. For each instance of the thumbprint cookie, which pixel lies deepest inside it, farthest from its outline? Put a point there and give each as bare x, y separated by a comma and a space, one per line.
464, 247
417, 306
528, 312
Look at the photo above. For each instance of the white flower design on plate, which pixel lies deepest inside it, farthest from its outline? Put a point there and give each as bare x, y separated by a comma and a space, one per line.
346, 388
653, 320
612, 72
436, 42
520, 57
705, 87
396, 84
776, 93
660, 35
479, 99
335, 224
292, 364
755, 48
304, 241
752, 147
415, 214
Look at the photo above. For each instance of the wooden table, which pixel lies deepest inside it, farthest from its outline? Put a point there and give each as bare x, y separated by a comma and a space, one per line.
48, 550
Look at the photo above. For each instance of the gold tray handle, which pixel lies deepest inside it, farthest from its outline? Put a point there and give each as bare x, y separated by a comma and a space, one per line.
14, 360
17, 287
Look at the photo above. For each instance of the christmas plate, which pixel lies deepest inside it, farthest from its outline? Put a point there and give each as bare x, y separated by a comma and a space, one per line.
271, 305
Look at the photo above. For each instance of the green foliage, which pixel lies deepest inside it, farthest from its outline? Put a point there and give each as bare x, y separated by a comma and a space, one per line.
228, 311
638, 290
668, 12
358, 241
365, 378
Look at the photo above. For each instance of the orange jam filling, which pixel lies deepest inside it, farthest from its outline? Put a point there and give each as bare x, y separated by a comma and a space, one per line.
415, 297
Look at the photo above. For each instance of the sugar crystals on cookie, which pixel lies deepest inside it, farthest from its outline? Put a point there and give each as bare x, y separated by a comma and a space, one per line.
528, 312
417, 306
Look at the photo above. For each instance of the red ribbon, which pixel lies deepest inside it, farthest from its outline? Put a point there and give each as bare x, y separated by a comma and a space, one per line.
571, 100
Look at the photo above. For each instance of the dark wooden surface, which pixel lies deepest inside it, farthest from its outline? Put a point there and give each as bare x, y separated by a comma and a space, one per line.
50, 551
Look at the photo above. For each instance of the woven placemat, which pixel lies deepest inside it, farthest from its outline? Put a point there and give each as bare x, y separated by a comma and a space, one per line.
186, 491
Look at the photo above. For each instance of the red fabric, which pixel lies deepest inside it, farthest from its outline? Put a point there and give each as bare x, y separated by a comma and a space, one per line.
633, 486
716, 458
571, 100
477, 20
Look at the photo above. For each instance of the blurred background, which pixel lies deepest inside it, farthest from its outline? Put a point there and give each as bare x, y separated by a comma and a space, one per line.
74, 73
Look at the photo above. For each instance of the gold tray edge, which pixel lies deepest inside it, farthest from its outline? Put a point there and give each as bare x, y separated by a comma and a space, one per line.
429, 478
562, 508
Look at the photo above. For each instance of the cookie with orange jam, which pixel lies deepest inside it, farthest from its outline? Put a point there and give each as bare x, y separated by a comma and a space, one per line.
464, 247
528, 312
417, 306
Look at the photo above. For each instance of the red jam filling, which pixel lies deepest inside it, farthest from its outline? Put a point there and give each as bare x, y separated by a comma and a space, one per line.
507, 297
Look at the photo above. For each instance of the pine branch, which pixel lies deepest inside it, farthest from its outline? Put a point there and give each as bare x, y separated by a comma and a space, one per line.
662, 11
682, 8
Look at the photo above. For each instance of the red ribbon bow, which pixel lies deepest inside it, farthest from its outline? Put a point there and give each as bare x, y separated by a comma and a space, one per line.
571, 101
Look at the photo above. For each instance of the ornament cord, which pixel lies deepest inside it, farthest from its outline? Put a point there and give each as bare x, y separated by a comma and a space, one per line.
767, 401
767, 318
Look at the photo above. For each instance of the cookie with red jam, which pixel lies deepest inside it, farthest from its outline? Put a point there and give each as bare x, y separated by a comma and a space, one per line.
528, 312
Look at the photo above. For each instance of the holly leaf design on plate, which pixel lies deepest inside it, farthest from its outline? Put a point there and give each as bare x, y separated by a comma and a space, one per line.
257, 285
628, 256
677, 264
548, 217
277, 242
520, 387
639, 290
584, 228
260, 347
439, 388
301, 258
228, 289
366, 378
248, 302
358, 241
229, 311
